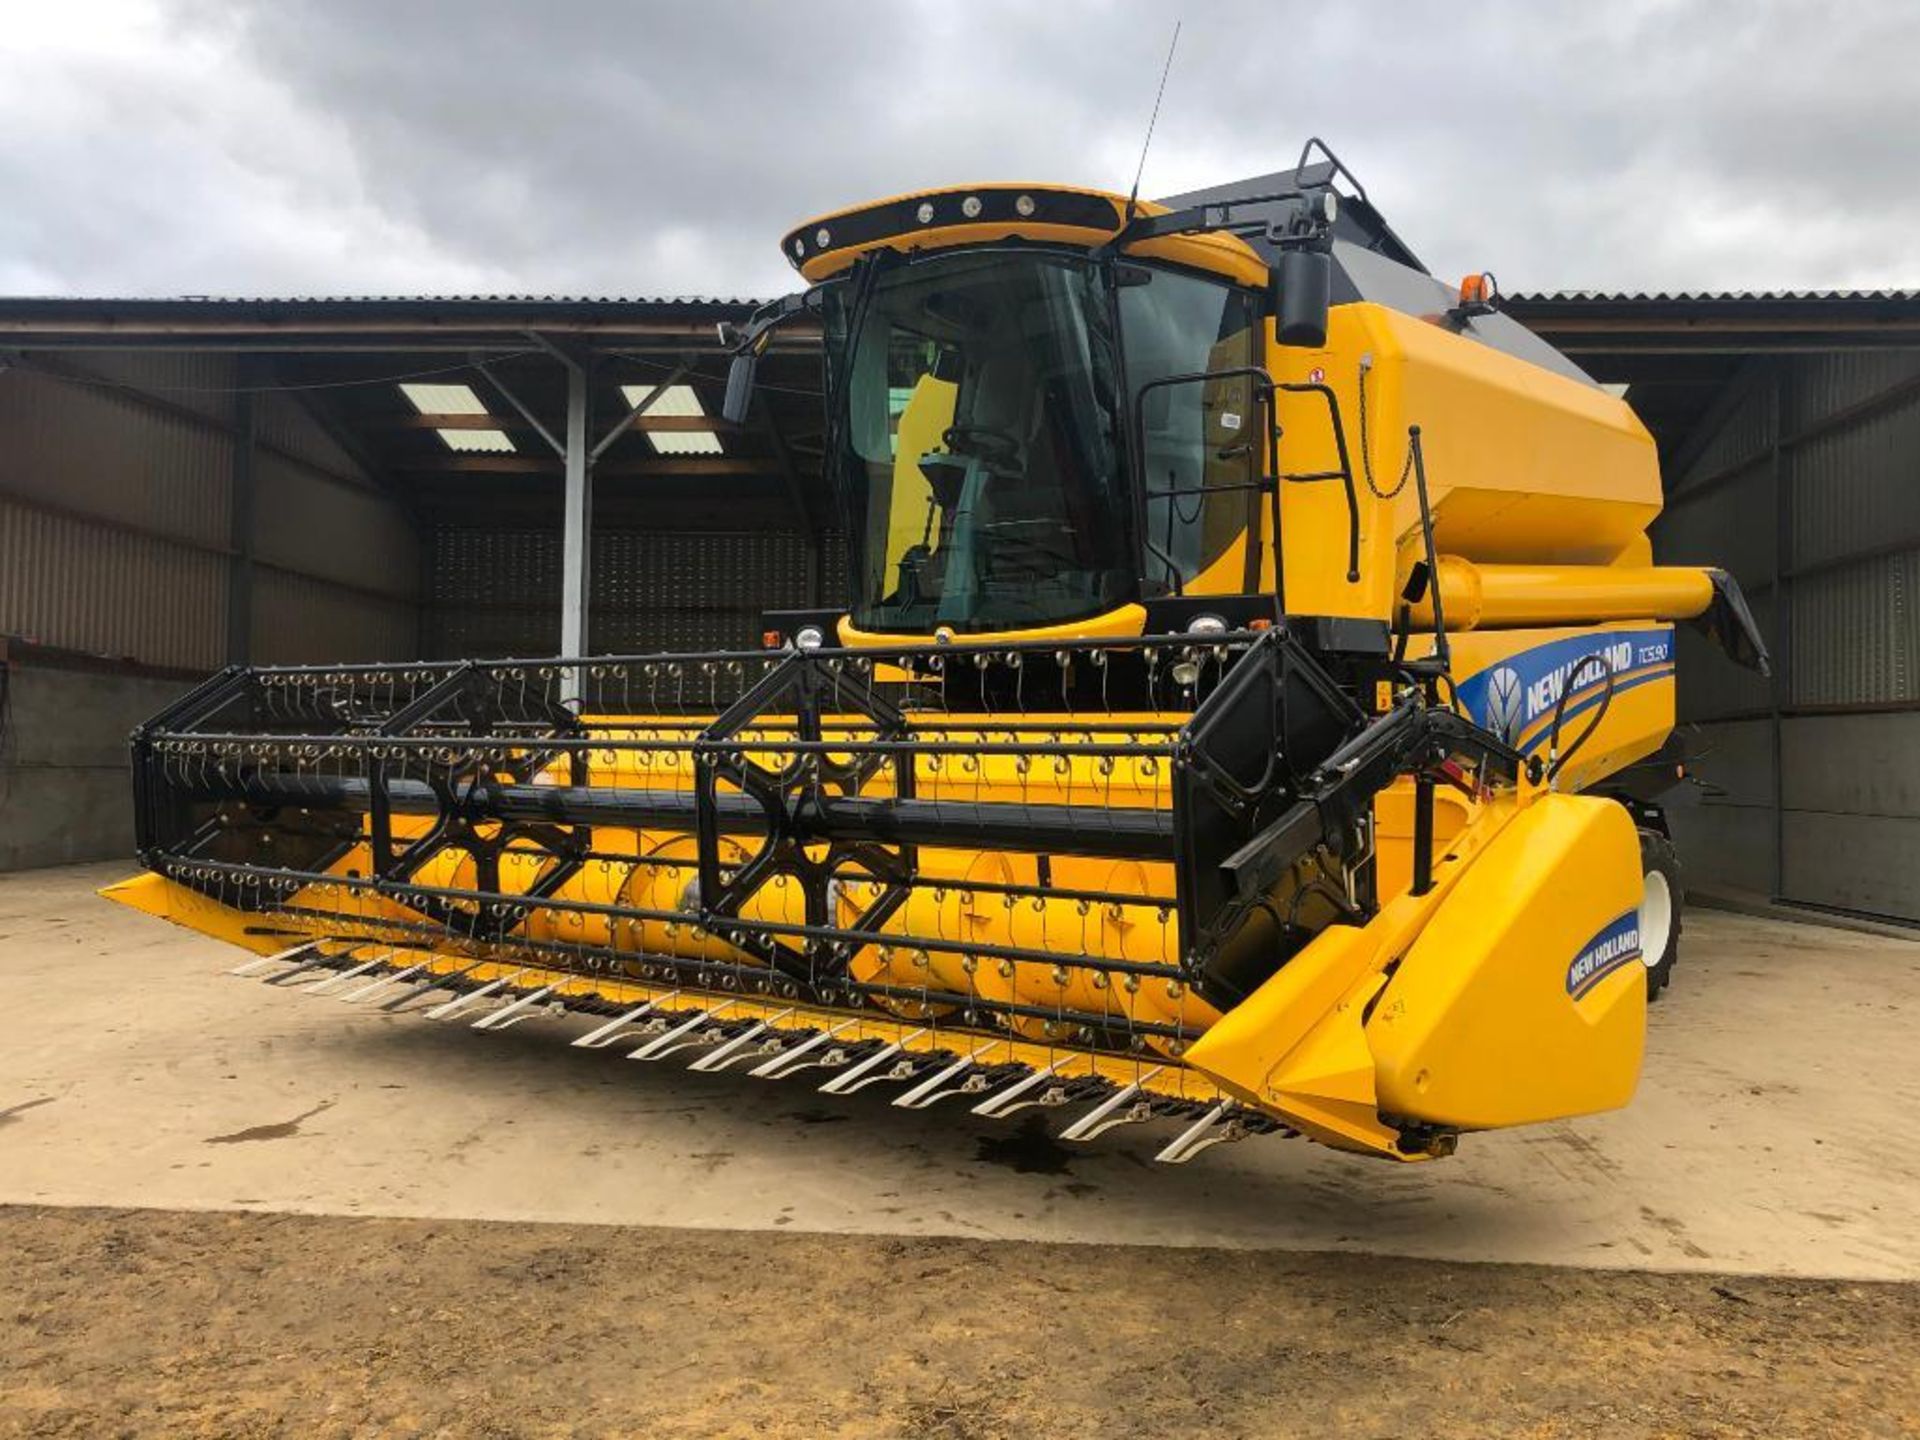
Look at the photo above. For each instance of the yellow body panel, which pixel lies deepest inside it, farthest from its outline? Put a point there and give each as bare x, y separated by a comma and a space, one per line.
1118, 623
1299, 1044
1270, 1049
1393, 831
1522, 464
155, 895
1496, 1015
158, 896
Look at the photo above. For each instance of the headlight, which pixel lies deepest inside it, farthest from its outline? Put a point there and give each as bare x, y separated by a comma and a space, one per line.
808, 637
1207, 625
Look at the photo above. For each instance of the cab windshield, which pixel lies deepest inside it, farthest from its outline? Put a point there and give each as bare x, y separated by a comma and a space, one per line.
982, 444
979, 442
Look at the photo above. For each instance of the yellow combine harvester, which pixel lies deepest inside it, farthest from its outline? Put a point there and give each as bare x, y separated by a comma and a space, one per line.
1243, 718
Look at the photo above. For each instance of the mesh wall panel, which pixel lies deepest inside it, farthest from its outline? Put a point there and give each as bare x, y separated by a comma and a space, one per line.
496, 592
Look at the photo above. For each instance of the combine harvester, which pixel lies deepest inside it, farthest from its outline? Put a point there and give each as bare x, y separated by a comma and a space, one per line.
1250, 714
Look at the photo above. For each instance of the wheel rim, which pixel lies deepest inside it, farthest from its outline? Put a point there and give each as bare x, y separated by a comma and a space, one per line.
1656, 918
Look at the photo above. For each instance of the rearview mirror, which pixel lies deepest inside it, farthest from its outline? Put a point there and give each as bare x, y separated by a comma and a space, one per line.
1301, 292
733, 408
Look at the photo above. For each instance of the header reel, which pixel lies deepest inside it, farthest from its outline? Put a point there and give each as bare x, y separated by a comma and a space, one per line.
1091, 847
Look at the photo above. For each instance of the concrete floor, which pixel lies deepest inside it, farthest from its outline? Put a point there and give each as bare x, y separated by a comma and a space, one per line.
1769, 1135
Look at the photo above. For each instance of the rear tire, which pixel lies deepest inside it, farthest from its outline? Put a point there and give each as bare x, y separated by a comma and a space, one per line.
1660, 909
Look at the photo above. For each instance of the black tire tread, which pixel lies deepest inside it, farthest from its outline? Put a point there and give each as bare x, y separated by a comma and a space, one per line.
1657, 853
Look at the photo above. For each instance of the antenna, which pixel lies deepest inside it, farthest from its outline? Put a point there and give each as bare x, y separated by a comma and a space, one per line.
1133, 196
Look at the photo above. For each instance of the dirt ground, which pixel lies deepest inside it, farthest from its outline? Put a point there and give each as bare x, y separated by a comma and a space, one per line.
157, 1322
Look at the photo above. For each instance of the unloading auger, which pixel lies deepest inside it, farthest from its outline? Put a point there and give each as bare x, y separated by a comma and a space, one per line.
1250, 714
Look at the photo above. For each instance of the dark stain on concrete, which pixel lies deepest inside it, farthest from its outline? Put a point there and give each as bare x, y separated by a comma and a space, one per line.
1030, 1150
281, 1131
1673, 1226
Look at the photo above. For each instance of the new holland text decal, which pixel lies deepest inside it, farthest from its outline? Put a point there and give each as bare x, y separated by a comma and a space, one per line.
1616, 945
1515, 697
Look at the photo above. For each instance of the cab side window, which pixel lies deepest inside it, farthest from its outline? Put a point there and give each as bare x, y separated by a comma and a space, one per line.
1200, 441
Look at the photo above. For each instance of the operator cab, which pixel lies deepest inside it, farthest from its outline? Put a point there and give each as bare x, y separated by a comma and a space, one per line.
1046, 408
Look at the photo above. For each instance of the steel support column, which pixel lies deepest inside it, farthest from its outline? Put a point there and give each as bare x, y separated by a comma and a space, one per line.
577, 456
577, 523
1780, 687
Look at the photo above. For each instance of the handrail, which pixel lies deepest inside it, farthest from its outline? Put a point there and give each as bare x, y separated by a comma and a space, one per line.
1344, 474
1263, 385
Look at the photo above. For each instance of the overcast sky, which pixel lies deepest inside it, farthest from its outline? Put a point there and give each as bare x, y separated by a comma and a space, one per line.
162, 147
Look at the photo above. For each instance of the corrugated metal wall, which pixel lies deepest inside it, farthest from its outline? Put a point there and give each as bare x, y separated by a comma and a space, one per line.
114, 514
1808, 490
339, 565
496, 592
117, 474
116, 488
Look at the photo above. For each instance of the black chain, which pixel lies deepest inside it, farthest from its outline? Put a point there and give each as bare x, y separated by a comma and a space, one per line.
1366, 449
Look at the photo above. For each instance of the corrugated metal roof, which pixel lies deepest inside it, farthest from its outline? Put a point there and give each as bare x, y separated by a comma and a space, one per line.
1609, 297
48, 321
20, 307
1714, 297
503, 300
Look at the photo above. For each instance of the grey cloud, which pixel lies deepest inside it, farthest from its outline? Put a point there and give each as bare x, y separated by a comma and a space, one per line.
609, 147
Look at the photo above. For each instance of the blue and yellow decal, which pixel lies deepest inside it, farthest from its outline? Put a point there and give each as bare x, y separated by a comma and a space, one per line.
1515, 696
1617, 944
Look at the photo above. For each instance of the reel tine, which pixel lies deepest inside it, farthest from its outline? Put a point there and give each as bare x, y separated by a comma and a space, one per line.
935, 1089
674, 1039
1104, 1117
726, 1054
1216, 1127
516, 1012
998, 1107
346, 975
861, 1074
608, 1034
472, 997
293, 953
787, 1062
381, 983
421, 987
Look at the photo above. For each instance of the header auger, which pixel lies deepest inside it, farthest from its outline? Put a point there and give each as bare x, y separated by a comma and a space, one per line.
1243, 717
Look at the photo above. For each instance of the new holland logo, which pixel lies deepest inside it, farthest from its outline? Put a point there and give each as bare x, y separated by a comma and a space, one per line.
1516, 695
1617, 944
1504, 707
